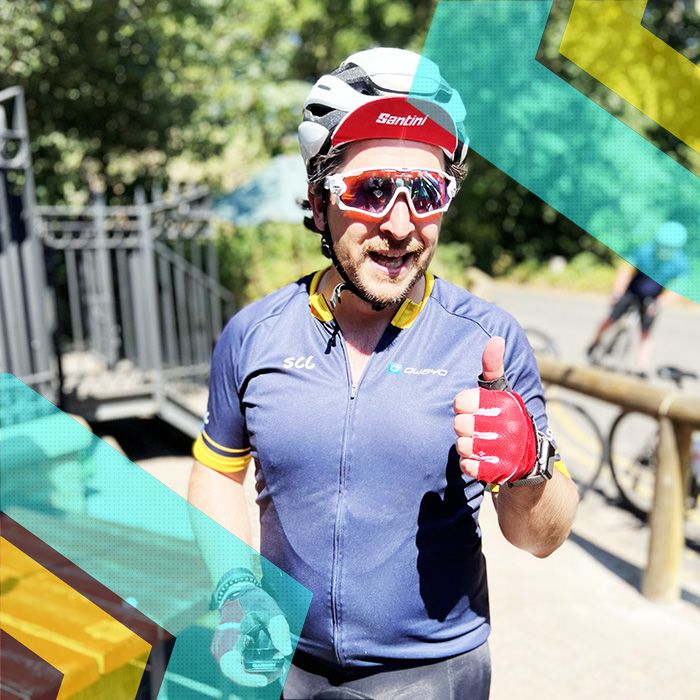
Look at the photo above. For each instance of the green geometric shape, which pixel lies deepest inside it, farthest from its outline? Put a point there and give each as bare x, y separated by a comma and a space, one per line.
120, 524
555, 141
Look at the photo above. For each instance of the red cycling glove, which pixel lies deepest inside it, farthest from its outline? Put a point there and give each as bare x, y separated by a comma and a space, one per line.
504, 438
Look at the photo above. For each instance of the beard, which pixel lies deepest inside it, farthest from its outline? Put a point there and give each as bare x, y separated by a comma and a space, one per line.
383, 288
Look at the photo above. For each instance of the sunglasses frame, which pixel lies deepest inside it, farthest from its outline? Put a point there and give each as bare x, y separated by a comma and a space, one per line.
335, 184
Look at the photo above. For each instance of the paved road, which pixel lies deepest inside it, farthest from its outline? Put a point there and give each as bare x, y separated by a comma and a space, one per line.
570, 320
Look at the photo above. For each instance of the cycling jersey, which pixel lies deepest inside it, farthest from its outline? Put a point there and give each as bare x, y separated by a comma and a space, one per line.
665, 270
360, 492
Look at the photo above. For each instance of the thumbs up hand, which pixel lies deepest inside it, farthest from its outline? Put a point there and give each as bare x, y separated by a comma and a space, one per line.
496, 438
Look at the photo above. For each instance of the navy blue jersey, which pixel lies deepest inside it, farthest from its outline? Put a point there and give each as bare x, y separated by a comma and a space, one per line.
360, 492
666, 270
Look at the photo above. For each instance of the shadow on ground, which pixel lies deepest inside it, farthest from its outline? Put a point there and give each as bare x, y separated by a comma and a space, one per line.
629, 573
145, 438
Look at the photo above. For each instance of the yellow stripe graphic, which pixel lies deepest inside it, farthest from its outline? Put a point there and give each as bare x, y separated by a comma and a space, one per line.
606, 39
67, 630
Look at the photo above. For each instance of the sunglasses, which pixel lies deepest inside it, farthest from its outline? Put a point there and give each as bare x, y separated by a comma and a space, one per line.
374, 191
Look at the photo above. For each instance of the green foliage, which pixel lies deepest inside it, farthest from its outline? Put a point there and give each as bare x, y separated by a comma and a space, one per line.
585, 272
132, 92
255, 260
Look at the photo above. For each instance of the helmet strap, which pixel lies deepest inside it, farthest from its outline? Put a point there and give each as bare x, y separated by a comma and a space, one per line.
347, 284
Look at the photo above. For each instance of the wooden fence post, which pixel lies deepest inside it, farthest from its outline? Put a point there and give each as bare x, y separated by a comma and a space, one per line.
661, 580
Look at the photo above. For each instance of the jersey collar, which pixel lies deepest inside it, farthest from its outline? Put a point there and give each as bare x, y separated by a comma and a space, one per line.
406, 314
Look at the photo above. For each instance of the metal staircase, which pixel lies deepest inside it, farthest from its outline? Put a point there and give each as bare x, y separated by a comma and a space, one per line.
112, 311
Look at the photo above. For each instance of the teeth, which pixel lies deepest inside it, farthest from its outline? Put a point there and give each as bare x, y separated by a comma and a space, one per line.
392, 262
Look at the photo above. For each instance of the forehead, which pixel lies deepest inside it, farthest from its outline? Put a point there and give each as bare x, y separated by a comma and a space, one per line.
393, 153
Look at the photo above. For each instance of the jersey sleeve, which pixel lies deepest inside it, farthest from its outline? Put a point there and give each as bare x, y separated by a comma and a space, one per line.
223, 442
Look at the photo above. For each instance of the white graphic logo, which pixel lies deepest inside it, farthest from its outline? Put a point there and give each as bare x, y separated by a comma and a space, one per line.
410, 120
206, 418
397, 368
303, 362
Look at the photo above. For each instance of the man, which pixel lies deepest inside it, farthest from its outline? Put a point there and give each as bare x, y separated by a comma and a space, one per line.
355, 390
634, 289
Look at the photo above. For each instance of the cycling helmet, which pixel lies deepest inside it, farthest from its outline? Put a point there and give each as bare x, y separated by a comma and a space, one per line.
671, 235
380, 93
383, 93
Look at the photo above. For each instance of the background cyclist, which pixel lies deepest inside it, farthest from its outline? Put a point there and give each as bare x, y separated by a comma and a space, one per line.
666, 256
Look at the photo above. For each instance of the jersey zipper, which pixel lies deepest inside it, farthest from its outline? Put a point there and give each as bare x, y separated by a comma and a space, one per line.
335, 574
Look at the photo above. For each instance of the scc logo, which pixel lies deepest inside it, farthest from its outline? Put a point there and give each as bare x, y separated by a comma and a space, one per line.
303, 362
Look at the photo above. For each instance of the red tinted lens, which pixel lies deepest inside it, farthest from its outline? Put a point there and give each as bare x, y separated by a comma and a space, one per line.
371, 191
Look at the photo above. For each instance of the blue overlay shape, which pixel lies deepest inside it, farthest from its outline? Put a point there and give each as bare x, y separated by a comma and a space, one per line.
557, 142
123, 527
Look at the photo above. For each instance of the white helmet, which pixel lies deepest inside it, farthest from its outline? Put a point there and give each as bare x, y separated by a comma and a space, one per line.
383, 93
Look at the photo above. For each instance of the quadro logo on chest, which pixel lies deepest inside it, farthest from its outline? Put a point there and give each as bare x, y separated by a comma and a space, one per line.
398, 368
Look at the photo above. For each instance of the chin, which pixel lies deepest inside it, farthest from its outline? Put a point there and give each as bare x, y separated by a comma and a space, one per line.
387, 292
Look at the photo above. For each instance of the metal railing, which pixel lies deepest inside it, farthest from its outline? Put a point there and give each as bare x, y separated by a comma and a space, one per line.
133, 305
25, 326
137, 289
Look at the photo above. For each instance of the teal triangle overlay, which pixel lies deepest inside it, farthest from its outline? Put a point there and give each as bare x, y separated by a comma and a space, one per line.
122, 526
560, 144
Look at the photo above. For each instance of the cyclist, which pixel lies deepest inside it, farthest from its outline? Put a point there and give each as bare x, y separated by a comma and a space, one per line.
374, 401
664, 255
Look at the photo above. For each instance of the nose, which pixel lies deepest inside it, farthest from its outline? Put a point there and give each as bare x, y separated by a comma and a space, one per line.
398, 222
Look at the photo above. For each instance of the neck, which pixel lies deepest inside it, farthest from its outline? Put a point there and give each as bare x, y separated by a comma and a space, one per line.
351, 311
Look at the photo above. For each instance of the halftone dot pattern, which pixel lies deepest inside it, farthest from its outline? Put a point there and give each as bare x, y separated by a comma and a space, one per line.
121, 525
558, 143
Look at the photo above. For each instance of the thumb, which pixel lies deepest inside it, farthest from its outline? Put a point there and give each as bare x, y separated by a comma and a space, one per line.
492, 359
278, 629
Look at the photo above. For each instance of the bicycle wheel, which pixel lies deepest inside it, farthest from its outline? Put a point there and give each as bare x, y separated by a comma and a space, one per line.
541, 343
579, 441
616, 348
632, 455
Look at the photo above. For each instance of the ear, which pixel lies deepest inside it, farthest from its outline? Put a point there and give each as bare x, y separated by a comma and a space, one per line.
317, 210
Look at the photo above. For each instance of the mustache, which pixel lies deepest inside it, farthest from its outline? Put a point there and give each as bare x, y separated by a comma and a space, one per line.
413, 247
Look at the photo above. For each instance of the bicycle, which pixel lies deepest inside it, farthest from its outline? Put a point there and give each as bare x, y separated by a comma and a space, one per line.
579, 439
632, 445
616, 348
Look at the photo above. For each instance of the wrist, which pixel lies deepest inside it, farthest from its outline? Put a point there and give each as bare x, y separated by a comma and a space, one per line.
232, 585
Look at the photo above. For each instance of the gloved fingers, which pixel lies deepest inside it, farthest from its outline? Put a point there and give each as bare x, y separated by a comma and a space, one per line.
231, 664
464, 424
467, 401
226, 636
278, 629
469, 467
465, 447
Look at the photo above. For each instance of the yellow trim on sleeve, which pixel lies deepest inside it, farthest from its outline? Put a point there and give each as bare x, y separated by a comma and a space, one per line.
221, 447
204, 454
409, 310
559, 465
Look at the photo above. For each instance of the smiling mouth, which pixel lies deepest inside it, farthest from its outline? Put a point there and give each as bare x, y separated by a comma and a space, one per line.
390, 261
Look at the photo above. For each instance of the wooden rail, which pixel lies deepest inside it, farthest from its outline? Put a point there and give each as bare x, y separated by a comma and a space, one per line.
678, 416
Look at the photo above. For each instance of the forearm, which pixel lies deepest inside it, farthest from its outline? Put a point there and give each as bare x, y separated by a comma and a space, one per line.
537, 518
223, 500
